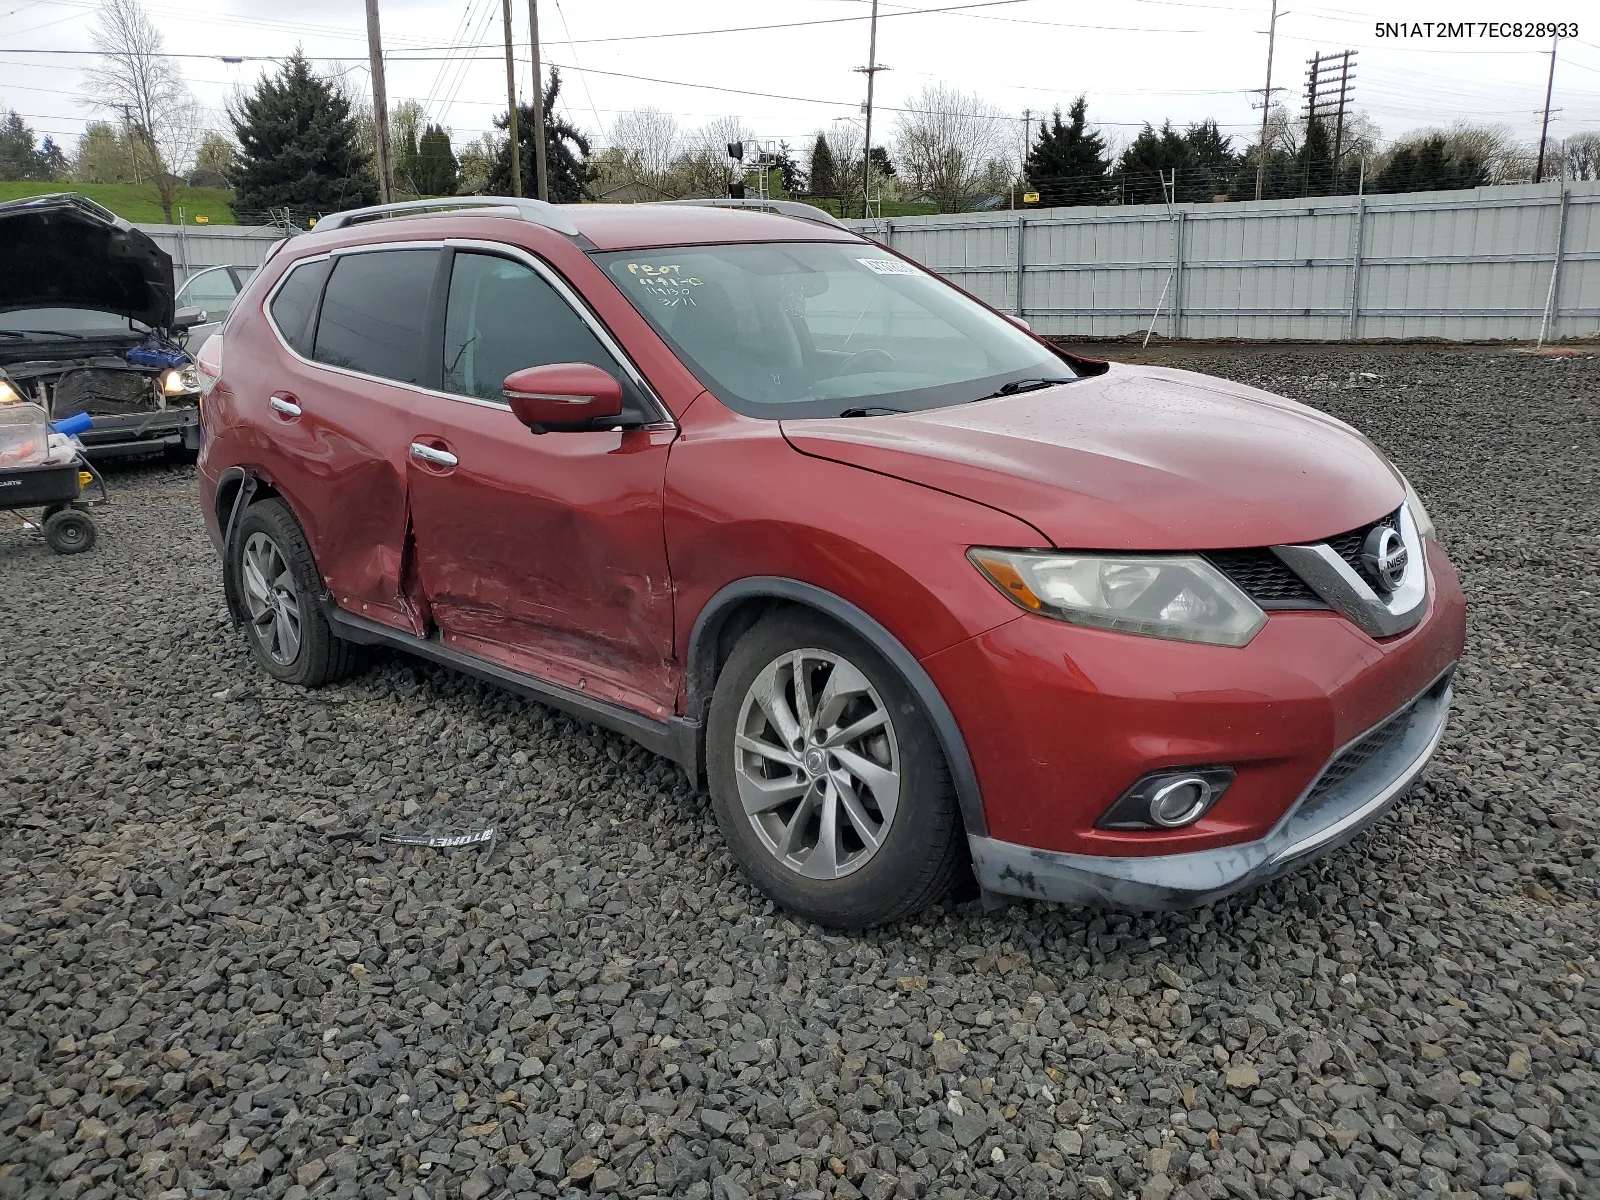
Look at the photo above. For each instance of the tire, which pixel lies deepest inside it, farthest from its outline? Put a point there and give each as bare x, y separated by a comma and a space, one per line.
280, 587
916, 852
68, 531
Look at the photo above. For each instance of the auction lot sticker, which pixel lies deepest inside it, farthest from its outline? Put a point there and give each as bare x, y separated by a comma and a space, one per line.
888, 266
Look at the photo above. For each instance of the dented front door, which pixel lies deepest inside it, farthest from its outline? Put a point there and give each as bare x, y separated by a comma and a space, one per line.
546, 552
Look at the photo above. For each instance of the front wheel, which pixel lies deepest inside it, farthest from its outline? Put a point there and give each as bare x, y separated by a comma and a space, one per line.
277, 580
827, 778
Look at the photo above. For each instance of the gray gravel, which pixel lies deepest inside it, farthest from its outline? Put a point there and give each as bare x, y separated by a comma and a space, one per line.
215, 979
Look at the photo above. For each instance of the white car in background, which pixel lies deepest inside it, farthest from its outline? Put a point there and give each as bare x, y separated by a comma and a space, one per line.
213, 291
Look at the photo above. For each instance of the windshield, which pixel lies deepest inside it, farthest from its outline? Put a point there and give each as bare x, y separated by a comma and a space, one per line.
813, 329
80, 321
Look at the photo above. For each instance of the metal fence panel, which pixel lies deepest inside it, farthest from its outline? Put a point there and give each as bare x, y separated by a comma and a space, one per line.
196, 247
1491, 263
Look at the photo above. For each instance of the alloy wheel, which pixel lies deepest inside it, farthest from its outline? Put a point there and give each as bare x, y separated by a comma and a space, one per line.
817, 763
271, 598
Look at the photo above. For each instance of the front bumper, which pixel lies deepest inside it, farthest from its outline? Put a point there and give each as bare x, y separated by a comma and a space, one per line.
176, 428
1357, 785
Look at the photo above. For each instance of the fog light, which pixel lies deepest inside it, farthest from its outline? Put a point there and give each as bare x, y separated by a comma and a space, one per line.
1179, 802
1168, 799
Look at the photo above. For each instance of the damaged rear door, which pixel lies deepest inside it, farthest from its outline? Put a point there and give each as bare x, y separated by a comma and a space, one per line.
335, 412
545, 553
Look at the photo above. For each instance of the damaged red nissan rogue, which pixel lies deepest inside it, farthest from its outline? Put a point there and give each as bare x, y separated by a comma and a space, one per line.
906, 586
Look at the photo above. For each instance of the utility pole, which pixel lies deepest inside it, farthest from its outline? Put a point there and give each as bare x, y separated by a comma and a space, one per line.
511, 102
870, 71
1544, 130
1266, 102
1022, 163
1328, 94
380, 106
541, 182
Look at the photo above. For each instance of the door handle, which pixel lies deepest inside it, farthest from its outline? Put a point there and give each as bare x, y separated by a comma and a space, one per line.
281, 403
432, 454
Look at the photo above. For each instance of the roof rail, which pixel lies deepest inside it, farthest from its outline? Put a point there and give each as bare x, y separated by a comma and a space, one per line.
537, 211
784, 208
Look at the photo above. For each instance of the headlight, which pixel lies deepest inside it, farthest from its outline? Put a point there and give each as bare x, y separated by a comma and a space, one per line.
1419, 515
180, 380
1182, 597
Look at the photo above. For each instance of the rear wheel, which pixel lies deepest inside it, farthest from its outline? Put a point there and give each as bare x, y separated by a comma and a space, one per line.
827, 778
277, 580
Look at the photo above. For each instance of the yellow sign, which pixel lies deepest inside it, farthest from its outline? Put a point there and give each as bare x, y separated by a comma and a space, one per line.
202, 219
1030, 197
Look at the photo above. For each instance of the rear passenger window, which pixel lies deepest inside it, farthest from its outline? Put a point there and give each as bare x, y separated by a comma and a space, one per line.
502, 316
292, 308
373, 313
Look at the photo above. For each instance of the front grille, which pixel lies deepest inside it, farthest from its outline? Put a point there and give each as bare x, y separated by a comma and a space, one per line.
1348, 546
101, 393
1265, 578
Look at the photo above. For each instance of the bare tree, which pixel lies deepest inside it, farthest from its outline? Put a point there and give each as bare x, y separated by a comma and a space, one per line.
704, 169
845, 139
1580, 156
649, 140
134, 80
944, 142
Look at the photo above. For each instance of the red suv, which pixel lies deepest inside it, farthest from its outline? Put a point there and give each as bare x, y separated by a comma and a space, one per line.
906, 585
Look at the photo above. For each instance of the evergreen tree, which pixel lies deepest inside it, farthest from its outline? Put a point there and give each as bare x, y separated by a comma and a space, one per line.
298, 147
1068, 163
1429, 165
1213, 161
18, 158
566, 152
1150, 158
794, 179
1281, 180
823, 177
52, 161
435, 172
405, 162
1316, 161
882, 164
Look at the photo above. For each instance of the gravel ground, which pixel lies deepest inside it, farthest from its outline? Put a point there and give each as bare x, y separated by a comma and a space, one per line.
216, 980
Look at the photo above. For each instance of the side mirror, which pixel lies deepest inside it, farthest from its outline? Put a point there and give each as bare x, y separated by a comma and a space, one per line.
188, 318
562, 396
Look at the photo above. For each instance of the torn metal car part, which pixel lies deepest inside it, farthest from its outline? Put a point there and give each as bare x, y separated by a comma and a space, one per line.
440, 841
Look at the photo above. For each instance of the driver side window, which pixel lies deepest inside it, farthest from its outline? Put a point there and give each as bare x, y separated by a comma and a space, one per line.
502, 316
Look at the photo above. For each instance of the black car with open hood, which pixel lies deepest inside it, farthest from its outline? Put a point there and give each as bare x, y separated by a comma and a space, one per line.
87, 325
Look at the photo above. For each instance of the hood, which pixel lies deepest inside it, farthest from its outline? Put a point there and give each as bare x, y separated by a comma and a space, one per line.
1139, 458
63, 251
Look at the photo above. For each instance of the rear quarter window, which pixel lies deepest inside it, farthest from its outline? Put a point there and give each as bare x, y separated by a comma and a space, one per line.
296, 304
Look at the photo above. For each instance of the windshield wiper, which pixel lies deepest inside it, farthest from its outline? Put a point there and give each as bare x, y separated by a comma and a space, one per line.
872, 410
22, 333
1022, 385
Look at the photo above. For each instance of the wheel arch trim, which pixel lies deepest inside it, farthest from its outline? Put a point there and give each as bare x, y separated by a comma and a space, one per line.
702, 669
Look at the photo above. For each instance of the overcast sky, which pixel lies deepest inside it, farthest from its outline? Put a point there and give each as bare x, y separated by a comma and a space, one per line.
1137, 60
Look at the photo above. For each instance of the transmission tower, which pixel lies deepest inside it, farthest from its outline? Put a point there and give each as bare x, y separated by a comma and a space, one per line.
1329, 87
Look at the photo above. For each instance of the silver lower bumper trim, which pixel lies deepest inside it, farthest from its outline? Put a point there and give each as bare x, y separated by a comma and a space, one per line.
1168, 881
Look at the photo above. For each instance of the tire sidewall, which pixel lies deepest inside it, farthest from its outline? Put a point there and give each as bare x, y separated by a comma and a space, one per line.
923, 819
66, 517
272, 518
